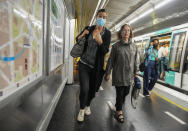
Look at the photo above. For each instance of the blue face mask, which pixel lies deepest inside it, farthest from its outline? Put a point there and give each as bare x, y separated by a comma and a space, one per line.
101, 21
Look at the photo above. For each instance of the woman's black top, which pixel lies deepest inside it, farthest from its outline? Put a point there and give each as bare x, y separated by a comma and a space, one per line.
93, 54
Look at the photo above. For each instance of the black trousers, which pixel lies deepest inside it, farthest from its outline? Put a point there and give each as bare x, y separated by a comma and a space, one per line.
121, 93
98, 79
87, 85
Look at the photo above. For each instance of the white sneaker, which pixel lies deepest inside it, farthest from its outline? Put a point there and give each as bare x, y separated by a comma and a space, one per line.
87, 110
101, 88
80, 117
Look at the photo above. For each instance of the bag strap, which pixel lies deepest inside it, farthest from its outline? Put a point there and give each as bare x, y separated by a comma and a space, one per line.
86, 28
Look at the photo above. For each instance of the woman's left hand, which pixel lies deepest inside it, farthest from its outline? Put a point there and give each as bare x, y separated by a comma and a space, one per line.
135, 75
107, 77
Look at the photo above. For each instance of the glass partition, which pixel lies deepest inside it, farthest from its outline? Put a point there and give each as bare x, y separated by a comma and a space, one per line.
57, 16
185, 68
21, 47
176, 50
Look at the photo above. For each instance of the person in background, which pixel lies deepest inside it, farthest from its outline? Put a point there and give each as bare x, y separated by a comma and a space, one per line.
151, 72
161, 56
161, 52
166, 59
166, 50
92, 61
124, 64
146, 60
146, 53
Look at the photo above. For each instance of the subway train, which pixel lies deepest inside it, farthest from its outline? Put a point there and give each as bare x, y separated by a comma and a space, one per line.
176, 40
167, 24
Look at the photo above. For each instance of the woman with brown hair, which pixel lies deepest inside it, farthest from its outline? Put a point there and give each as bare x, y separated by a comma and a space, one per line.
91, 63
124, 61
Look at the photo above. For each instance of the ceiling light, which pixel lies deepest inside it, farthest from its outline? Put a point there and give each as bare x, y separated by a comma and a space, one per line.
160, 5
141, 16
164, 40
151, 10
95, 12
102, 5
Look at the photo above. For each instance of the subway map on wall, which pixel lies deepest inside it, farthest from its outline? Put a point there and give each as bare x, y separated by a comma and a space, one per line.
20, 42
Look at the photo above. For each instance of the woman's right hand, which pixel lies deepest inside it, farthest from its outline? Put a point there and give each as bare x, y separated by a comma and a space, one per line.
86, 32
83, 34
107, 77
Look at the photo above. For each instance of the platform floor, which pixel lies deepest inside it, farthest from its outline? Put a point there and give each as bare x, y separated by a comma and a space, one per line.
152, 114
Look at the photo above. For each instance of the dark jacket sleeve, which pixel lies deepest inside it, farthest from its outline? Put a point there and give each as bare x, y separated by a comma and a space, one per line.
104, 47
137, 62
87, 27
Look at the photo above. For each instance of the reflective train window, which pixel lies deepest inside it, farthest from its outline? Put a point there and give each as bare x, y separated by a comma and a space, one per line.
138, 44
142, 54
185, 69
139, 47
144, 44
176, 50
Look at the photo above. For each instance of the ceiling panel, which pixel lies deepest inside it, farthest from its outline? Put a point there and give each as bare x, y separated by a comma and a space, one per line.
174, 13
122, 8
117, 10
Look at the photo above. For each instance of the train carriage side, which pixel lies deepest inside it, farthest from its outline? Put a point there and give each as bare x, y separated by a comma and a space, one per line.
176, 39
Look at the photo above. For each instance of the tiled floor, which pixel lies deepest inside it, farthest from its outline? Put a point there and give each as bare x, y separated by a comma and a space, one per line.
149, 116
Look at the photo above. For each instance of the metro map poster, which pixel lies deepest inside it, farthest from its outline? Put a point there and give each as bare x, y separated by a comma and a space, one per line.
21, 45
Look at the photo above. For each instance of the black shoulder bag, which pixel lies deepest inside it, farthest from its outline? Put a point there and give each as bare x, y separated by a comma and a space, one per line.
78, 48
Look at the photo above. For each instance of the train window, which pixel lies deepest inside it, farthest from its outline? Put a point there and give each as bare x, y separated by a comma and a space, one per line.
139, 46
144, 43
176, 50
185, 69
142, 50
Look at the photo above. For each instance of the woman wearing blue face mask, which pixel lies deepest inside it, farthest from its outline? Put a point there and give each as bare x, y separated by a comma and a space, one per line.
92, 61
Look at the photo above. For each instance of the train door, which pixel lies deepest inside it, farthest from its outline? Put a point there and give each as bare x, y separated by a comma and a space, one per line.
185, 66
177, 43
163, 47
145, 44
141, 45
138, 43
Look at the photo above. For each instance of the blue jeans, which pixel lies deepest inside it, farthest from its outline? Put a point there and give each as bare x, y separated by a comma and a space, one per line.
150, 77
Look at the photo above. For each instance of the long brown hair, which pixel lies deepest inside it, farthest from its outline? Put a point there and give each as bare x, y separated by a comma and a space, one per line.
131, 32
